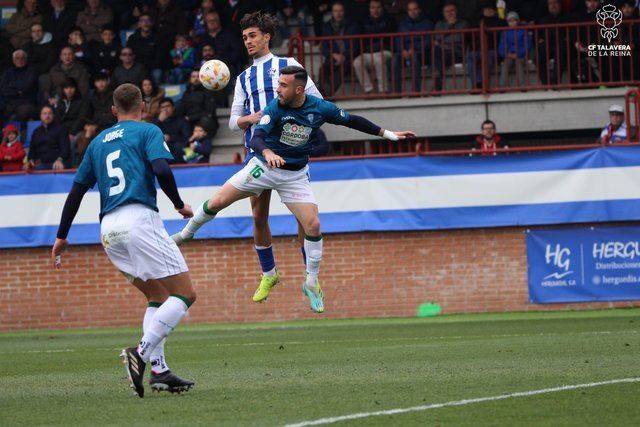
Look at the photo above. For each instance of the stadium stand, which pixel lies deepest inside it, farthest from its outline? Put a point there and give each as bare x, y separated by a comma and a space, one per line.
559, 49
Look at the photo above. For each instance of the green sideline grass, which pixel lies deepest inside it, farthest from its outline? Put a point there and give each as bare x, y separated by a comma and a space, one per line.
279, 373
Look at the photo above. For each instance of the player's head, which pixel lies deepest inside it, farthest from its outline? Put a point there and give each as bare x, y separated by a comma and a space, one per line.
127, 101
257, 31
488, 129
291, 84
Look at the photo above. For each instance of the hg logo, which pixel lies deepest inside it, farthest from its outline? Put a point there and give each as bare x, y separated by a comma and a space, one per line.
560, 258
609, 17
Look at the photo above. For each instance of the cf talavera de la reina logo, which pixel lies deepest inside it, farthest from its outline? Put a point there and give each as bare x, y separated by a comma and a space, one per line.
558, 260
609, 18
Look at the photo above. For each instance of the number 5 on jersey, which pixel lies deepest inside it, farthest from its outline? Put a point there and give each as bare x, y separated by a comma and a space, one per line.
115, 172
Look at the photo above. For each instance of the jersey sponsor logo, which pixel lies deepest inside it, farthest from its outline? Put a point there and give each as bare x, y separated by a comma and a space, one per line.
342, 113
113, 135
285, 118
295, 134
272, 72
310, 117
264, 120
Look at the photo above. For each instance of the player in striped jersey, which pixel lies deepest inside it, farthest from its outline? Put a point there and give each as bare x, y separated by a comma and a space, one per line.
255, 88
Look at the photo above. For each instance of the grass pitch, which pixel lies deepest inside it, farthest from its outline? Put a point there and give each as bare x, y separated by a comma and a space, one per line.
282, 373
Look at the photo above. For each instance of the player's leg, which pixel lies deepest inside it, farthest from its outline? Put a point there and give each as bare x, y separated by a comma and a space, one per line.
161, 377
243, 184
262, 240
307, 215
156, 294
301, 234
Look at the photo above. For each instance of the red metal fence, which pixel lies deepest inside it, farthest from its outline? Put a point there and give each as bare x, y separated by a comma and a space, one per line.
478, 60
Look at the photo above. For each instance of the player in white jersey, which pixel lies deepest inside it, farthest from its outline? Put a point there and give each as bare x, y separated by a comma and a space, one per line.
255, 88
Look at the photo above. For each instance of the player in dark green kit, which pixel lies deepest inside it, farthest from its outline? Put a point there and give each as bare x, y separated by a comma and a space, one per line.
282, 142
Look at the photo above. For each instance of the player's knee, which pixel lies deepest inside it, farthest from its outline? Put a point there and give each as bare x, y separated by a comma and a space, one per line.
312, 227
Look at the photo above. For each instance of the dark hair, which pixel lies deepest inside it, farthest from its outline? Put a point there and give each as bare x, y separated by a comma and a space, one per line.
108, 27
263, 21
101, 76
487, 122
69, 82
154, 87
127, 97
166, 99
299, 73
76, 28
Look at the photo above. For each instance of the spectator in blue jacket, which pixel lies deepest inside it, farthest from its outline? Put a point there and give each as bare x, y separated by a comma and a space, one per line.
376, 53
411, 51
337, 53
18, 89
513, 48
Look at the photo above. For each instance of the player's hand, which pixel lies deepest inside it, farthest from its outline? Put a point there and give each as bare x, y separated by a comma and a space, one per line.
186, 211
56, 252
58, 165
255, 117
272, 159
402, 134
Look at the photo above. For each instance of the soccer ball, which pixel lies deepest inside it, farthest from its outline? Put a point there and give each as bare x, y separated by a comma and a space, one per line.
214, 75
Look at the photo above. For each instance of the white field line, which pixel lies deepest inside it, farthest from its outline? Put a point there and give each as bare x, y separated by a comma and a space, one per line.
332, 420
373, 340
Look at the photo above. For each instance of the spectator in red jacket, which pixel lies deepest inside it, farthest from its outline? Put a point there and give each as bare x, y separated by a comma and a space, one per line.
11, 151
488, 141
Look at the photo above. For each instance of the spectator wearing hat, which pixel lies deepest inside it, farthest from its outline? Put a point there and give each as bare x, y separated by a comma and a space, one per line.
513, 47
616, 130
11, 150
50, 147
18, 89
489, 141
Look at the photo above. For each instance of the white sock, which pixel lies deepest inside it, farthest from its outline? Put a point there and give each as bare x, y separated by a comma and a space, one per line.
313, 249
163, 322
158, 363
200, 218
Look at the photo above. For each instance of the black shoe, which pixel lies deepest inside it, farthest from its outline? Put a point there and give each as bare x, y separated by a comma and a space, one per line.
168, 381
134, 366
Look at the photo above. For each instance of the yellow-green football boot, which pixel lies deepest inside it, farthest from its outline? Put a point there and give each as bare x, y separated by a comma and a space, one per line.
266, 283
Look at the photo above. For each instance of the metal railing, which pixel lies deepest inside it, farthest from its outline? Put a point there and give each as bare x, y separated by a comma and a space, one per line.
476, 60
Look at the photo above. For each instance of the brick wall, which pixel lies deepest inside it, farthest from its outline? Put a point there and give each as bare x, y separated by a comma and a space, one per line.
363, 275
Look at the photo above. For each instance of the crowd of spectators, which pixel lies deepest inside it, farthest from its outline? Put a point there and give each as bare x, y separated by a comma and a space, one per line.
61, 59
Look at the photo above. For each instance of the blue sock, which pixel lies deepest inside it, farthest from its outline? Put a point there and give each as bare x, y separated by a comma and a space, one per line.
304, 255
265, 255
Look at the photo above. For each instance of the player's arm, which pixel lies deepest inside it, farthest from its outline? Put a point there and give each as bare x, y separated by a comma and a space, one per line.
69, 211
338, 116
259, 145
237, 119
167, 182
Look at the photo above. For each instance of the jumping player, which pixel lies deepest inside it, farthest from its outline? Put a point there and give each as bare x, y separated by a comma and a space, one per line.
124, 161
255, 88
282, 142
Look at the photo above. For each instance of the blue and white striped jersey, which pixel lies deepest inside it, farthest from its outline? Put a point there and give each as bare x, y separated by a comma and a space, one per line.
256, 87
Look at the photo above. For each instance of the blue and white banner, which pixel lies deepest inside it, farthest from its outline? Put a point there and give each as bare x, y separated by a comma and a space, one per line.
577, 265
410, 193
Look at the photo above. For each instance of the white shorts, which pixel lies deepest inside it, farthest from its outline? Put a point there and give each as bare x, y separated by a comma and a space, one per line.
292, 186
136, 242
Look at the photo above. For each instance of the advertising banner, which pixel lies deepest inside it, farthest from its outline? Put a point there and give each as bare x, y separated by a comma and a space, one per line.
577, 265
